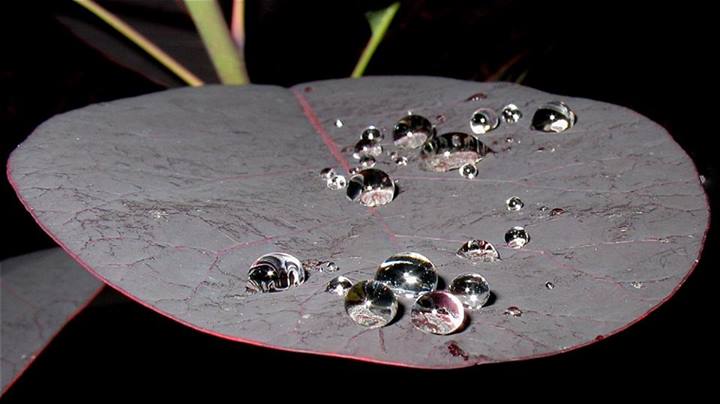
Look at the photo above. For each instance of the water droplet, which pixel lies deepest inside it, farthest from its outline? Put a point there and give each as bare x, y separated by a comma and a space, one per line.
398, 159
372, 134
339, 123
468, 170
367, 162
476, 97
517, 237
555, 116
450, 151
472, 290
636, 284
557, 211
478, 251
371, 304
440, 119
549, 285
437, 313
327, 173
336, 182
366, 148
483, 120
371, 187
328, 266
513, 311
514, 203
308, 89
411, 131
511, 114
339, 285
275, 272
158, 214
408, 274
509, 140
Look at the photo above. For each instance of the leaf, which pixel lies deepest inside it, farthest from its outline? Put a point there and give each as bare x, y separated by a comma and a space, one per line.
169, 198
40, 293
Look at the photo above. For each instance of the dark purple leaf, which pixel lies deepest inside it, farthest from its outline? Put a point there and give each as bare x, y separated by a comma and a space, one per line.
169, 197
40, 292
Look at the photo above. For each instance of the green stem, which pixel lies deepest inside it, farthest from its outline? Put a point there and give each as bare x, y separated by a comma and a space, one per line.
215, 34
237, 26
140, 40
379, 22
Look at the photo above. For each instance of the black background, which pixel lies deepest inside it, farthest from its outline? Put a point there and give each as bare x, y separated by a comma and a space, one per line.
654, 58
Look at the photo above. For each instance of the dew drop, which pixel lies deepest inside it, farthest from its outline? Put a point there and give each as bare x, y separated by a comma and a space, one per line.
468, 170
408, 274
557, 211
336, 182
478, 251
411, 131
437, 313
339, 285
339, 123
371, 304
513, 311
517, 237
371, 187
372, 134
483, 120
440, 119
367, 162
327, 173
398, 159
476, 97
366, 148
472, 290
275, 272
555, 116
511, 114
549, 285
450, 151
514, 203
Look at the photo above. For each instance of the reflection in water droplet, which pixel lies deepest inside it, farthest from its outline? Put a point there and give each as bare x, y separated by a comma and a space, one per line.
514, 203
327, 173
472, 290
483, 120
478, 251
339, 285
411, 131
437, 313
398, 159
336, 182
511, 114
513, 311
366, 148
637, 285
275, 272
339, 123
555, 116
354, 171
372, 134
371, 187
367, 162
450, 151
549, 285
408, 274
557, 211
517, 237
468, 170
476, 97
371, 304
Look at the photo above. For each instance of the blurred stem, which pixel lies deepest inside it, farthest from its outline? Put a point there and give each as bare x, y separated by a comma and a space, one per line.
237, 26
379, 23
140, 40
215, 34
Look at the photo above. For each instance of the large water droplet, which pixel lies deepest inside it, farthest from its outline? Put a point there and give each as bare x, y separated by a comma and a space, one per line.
339, 285
408, 274
472, 290
327, 173
514, 203
478, 251
468, 170
517, 237
511, 114
483, 120
371, 187
336, 182
371, 304
372, 134
437, 313
365, 148
555, 116
275, 272
412, 131
450, 151
367, 162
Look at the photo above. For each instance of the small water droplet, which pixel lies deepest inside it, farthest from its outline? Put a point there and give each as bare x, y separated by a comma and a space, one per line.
483, 120
275, 272
509, 140
339, 285
158, 214
327, 173
702, 179
339, 123
371, 187
398, 159
513, 311
549, 285
472, 290
555, 116
372, 134
478, 251
468, 170
411, 131
511, 114
450, 151
476, 97
371, 304
517, 237
366, 148
408, 274
514, 203
557, 211
438, 313
440, 119
367, 162
636, 284
336, 182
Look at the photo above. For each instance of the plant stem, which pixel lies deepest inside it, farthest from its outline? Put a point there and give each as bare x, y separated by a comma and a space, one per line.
215, 34
237, 26
140, 40
379, 22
